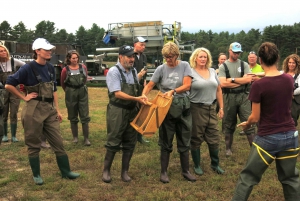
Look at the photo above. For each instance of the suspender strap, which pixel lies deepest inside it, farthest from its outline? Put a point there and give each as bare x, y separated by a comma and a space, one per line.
123, 77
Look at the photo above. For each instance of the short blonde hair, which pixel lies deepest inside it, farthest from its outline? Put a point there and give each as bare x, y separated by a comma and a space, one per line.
296, 59
170, 48
8, 54
194, 56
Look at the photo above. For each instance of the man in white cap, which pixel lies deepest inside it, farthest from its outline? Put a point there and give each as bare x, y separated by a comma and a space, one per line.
140, 61
40, 115
234, 78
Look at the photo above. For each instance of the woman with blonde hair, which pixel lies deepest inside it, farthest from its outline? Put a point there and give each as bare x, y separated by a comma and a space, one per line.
205, 93
291, 66
174, 79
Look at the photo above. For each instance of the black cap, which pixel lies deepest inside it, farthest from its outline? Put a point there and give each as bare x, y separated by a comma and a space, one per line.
126, 50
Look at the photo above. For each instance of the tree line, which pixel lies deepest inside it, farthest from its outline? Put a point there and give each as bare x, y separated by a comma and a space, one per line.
286, 37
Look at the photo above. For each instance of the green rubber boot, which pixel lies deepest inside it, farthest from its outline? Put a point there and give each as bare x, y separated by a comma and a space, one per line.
5, 138
196, 159
64, 166
13, 130
214, 156
35, 167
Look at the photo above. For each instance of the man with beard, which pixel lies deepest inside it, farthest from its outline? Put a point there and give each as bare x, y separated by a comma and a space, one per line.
124, 93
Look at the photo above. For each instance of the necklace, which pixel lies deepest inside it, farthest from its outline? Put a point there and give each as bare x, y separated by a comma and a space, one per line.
4, 67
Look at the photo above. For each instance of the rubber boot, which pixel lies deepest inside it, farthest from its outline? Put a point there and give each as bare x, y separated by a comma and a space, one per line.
125, 166
35, 167
5, 138
288, 174
184, 160
258, 161
74, 129
214, 156
164, 162
228, 143
141, 139
197, 159
13, 130
85, 131
64, 167
250, 139
43, 143
109, 157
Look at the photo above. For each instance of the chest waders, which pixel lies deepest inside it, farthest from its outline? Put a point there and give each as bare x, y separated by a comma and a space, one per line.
227, 93
39, 116
76, 98
258, 161
128, 106
11, 106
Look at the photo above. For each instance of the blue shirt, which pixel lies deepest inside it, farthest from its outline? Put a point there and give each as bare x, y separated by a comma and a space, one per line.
26, 76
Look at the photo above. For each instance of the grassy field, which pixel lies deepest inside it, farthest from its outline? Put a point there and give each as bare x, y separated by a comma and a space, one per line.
16, 181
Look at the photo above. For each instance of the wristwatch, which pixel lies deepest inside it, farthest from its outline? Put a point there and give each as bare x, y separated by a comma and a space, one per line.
232, 80
174, 92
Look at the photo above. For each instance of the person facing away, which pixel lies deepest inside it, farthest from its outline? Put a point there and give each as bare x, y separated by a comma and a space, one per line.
9, 65
234, 78
124, 94
40, 114
174, 78
277, 137
291, 66
140, 62
73, 79
205, 92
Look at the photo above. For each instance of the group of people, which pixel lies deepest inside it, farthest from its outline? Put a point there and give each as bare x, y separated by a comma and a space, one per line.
260, 95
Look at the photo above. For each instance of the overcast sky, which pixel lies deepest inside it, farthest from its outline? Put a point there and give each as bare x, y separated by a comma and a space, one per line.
194, 15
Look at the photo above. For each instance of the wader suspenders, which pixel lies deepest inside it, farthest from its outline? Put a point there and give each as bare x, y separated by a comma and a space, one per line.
124, 82
69, 73
228, 90
39, 79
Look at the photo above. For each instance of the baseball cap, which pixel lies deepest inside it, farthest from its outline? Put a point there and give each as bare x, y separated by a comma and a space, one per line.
126, 50
42, 43
140, 39
235, 47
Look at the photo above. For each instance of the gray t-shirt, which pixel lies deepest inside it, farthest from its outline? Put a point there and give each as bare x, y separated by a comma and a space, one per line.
170, 78
6, 66
235, 69
204, 90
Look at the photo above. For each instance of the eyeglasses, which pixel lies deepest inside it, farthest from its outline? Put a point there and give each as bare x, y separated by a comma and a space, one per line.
235, 52
169, 57
252, 52
127, 47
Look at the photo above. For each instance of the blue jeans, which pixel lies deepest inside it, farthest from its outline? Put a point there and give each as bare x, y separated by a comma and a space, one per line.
277, 142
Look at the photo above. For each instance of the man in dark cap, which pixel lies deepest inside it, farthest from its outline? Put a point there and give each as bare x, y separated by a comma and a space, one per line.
124, 93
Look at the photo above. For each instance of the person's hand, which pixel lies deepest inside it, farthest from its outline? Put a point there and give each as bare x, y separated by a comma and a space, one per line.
221, 113
59, 116
169, 93
244, 125
30, 96
249, 77
142, 99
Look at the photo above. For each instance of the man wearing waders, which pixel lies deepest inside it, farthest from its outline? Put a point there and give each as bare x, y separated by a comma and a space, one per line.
123, 91
234, 80
73, 79
40, 114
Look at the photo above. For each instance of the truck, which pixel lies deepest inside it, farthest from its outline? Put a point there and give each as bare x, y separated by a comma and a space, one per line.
156, 32
24, 52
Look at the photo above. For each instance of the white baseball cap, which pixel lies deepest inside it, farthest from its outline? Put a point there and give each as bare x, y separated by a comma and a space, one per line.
42, 43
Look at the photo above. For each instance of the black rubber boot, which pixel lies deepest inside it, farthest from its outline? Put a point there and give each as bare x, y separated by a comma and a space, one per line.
197, 159
258, 162
164, 162
13, 130
126, 157
228, 143
288, 174
109, 157
85, 131
214, 156
74, 129
35, 167
184, 160
64, 166
5, 138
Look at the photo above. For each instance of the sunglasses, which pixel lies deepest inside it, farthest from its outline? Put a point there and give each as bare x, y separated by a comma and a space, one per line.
235, 52
169, 57
252, 52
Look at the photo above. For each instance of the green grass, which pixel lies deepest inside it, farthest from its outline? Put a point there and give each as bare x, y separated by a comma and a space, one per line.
16, 181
